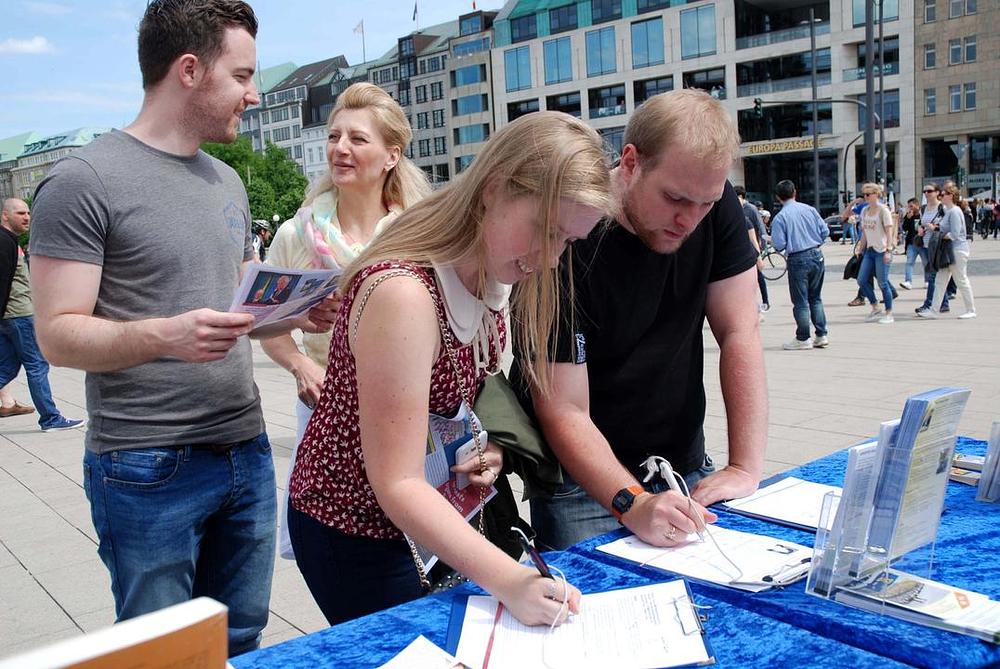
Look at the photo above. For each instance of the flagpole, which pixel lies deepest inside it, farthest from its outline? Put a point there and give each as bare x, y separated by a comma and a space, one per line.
364, 53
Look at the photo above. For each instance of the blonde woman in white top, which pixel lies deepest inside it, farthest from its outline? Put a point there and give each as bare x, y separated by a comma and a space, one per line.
877, 239
369, 183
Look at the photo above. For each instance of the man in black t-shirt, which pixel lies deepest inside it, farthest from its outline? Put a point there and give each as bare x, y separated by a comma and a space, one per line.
627, 375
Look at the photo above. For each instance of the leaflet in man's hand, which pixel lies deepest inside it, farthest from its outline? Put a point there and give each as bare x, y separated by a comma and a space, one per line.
275, 294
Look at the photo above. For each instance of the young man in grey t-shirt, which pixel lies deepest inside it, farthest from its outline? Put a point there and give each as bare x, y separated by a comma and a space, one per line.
138, 246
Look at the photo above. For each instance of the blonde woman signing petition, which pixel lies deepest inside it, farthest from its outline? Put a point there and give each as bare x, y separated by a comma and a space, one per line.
369, 183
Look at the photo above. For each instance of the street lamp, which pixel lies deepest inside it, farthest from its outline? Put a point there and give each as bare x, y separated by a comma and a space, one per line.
275, 220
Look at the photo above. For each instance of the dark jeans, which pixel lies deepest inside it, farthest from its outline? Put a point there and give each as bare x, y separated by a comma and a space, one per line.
178, 523
806, 270
18, 348
351, 576
762, 284
931, 278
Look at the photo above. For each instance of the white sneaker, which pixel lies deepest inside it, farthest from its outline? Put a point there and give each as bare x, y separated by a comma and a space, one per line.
874, 316
968, 314
885, 320
798, 345
905, 285
764, 307
927, 313
821, 342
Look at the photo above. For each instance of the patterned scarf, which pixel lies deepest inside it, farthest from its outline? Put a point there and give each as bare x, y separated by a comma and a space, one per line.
319, 231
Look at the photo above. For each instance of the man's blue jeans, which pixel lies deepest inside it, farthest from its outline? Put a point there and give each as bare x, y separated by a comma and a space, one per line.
571, 515
18, 347
912, 253
179, 523
806, 270
873, 263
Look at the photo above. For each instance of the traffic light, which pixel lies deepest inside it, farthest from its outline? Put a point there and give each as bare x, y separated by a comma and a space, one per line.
758, 110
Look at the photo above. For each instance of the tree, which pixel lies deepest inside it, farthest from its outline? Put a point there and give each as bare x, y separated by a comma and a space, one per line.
272, 180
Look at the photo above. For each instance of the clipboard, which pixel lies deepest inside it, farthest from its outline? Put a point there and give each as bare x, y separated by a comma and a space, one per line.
459, 607
732, 505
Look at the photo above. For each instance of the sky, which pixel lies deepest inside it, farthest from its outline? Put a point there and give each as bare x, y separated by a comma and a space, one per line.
66, 64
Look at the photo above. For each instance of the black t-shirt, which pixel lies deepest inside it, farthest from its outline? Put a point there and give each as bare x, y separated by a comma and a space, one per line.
8, 265
639, 320
910, 224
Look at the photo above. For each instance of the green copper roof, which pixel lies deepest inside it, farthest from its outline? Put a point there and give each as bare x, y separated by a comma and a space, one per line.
12, 147
266, 79
70, 138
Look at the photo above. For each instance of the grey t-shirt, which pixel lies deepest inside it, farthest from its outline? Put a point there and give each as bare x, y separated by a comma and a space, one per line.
170, 234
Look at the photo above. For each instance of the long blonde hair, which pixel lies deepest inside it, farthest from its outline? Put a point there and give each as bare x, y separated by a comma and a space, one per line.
405, 183
547, 155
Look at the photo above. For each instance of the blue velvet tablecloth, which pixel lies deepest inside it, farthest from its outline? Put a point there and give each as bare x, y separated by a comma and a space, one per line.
966, 555
784, 628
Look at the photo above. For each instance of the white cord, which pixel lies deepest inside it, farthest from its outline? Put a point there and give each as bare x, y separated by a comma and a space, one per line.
555, 621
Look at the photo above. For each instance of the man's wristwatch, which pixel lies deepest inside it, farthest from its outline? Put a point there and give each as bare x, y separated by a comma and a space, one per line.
624, 499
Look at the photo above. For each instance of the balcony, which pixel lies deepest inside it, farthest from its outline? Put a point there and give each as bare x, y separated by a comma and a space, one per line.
778, 85
612, 110
856, 73
798, 32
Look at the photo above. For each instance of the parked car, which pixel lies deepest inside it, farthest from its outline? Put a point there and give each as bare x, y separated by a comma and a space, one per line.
836, 227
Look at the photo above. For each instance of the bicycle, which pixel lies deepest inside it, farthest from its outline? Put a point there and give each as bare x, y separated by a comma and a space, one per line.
775, 264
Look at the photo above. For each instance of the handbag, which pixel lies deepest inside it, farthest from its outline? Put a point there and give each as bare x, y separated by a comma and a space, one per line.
945, 255
852, 267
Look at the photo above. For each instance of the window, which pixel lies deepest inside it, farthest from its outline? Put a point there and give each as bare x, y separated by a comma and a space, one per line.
890, 111
613, 140
970, 96
517, 63
471, 47
470, 134
523, 28
441, 173
470, 25
651, 5
404, 97
930, 11
470, 104
282, 134
298, 152
424, 147
437, 118
647, 43
471, 74
955, 98
605, 10
264, 117
422, 121
462, 162
562, 19
890, 11
423, 67
955, 8
568, 103
437, 90
440, 146
295, 111
601, 52
518, 109
267, 136
930, 56
784, 120
607, 101
421, 94
558, 60
296, 131
954, 51
698, 32
970, 49
309, 152
970, 6
644, 90
930, 101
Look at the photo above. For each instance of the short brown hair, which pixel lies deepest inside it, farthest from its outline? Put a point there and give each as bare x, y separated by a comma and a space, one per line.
172, 28
688, 117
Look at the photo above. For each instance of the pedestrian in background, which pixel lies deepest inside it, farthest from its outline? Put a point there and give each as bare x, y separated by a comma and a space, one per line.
876, 243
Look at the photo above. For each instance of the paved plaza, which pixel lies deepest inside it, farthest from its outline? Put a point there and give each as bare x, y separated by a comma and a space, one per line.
53, 585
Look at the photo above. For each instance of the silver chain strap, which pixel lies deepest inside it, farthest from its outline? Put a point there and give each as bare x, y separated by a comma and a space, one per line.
447, 341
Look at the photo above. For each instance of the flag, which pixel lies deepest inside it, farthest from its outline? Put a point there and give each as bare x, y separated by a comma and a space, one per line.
414, 11
360, 28
473, 5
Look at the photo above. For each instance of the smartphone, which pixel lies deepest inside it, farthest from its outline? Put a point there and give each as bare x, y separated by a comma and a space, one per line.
466, 452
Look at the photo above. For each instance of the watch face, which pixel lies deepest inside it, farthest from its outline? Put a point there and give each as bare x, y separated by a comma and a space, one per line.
622, 501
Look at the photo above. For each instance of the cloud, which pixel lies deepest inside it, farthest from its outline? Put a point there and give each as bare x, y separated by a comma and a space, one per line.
34, 45
47, 8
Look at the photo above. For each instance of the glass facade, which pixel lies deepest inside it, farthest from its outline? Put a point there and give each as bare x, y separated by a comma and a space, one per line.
517, 63
469, 134
558, 60
607, 101
605, 10
643, 90
647, 43
568, 103
698, 32
470, 74
762, 172
601, 52
523, 28
470, 25
782, 73
562, 19
518, 109
469, 104
782, 121
776, 22
712, 81
890, 11
613, 141
890, 111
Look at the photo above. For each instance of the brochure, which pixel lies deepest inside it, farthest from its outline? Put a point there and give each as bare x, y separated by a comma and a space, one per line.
273, 294
422, 654
989, 484
791, 501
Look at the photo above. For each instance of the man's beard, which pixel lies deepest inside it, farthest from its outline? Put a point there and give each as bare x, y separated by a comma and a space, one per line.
650, 236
